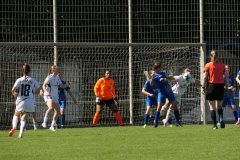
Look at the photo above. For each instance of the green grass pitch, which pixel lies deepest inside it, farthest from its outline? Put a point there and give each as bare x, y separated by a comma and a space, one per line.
191, 142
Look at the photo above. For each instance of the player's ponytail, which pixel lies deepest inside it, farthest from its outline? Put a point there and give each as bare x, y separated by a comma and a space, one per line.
25, 70
214, 56
49, 71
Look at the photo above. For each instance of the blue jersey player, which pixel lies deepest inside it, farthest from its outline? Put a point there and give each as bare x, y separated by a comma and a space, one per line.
151, 92
238, 81
165, 91
228, 97
62, 100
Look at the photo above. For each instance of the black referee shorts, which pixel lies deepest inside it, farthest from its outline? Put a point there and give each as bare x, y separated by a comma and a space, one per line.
215, 92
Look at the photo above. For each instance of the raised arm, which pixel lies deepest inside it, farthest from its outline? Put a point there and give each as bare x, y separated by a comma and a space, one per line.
71, 95
146, 93
65, 85
198, 83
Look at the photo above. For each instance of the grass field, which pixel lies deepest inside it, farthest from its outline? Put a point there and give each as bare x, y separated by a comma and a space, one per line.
190, 142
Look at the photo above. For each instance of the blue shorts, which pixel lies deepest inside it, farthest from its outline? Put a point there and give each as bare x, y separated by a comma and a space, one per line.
170, 96
161, 98
228, 99
151, 102
62, 104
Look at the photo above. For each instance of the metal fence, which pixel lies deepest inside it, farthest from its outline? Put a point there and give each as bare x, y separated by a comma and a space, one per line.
213, 22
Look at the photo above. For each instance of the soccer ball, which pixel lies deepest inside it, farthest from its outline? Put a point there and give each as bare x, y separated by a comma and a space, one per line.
187, 76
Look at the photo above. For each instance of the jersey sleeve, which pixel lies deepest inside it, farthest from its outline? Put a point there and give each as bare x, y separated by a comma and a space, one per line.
176, 77
163, 73
113, 89
47, 80
158, 77
145, 86
59, 80
97, 87
67, 88
16, 84
207, 67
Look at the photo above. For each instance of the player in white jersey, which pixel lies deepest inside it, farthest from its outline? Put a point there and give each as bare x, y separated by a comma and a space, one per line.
23, 90
50, 88
181, 83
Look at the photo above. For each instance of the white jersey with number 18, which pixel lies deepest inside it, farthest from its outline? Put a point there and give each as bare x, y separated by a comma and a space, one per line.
26, 86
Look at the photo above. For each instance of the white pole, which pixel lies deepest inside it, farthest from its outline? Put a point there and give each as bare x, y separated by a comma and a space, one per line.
130, 61
55, 30
202, 63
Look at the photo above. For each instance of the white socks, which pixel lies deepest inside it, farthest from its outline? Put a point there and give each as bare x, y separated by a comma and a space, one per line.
23, 124
168, 114
35, 124
164, 108
14, 121
53, 123
45, 120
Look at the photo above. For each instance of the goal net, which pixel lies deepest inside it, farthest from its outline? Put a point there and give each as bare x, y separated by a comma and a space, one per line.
84, 64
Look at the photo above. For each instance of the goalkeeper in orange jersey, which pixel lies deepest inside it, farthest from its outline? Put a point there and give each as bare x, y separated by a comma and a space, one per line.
106, 95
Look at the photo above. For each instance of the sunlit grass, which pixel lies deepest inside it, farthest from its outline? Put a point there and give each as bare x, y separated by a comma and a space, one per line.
128, 142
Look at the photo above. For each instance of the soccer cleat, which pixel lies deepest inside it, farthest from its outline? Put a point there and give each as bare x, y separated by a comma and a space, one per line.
44, 125
179, 125
145, 126
215, 127
218, 123
35, 129
238, 122
52, 129
170, 125
20, 136
155, 126
222, 124
12, 131
165, 123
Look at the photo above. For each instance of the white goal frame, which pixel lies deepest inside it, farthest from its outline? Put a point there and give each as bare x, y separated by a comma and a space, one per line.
202, 47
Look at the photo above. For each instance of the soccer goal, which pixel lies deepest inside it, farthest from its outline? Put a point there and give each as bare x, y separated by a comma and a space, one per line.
85, 63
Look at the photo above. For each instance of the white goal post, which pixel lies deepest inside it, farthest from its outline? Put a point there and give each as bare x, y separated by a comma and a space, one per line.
85, 63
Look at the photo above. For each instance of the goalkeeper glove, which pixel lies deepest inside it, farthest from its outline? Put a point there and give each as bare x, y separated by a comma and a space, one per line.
98, 100
116, 100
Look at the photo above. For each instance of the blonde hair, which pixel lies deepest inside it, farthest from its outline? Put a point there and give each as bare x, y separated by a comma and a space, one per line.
50, 70
214, 56
186, 70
